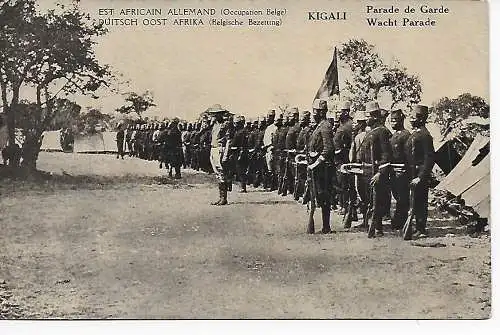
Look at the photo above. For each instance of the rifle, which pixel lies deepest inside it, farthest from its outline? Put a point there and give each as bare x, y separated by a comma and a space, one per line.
298, 160
407, 230
283, 187
312, 190
371, 210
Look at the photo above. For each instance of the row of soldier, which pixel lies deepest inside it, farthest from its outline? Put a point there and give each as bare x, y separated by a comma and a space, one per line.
345, 161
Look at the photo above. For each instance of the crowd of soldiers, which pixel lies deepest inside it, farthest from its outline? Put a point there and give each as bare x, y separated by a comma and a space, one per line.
347, 161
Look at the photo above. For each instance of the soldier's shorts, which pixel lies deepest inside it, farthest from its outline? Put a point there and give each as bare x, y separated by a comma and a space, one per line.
215, 160
270, 161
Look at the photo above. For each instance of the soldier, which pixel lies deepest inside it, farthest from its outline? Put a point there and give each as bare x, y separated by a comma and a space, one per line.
321, 156
204, 148
239, 148
260, 155
120, 137
252, 157
399, 179
375, 150
301, 149
217, 152
291, 150
359, 133
269, 134
342, 141
420, 154
280, 152
174, 145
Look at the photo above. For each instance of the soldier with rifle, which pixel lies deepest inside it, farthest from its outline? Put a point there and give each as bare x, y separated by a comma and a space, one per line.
420, 154
320, 167
375, 151
291, 150
252, 158
399, 178
260, 155
239, 149
280, 151
342, 141
301, 149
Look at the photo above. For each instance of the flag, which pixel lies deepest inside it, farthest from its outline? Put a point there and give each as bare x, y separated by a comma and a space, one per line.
330, 84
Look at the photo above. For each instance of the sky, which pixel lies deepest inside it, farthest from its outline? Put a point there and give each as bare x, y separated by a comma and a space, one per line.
250, 70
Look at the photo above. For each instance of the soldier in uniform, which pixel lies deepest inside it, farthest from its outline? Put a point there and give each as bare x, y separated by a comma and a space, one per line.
252, 157
359, 133
195, 140
342, 141
239, 149
301, 149
174, 145
217, 152
291, 150
321, 155
376, 151
205, 146
420, 154
279, 146
260, 157
399, 179
120, 137
269, 134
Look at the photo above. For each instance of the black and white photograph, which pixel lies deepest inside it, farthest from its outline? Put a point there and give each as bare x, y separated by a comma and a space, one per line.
262, 159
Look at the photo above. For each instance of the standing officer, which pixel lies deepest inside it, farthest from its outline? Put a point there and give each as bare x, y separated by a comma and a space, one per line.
269, 135
321, 155
376, 151
359, 133
420, 153
252, 157
399, 179
280, 150
174, 145
342, 141
217, 152
260, 154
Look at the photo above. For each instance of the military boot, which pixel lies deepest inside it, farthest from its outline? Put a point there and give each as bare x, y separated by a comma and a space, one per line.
215, 203
223, 195
325, 214
243, 187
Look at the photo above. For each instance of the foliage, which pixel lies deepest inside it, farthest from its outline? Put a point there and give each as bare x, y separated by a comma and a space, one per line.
370, 76
136, 103
43, 51
92, 121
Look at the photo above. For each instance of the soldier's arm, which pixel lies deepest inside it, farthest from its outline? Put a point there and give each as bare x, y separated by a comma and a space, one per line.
428, 163
328, 145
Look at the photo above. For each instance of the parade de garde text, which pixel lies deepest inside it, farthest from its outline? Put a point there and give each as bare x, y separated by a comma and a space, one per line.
382, 16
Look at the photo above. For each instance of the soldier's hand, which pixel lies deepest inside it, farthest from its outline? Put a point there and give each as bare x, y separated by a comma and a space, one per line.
375, 179
415, 181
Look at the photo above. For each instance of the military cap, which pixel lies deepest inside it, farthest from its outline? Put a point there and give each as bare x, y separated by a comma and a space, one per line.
373, 109
294, 111
271, 112
397, 114
346, 105
280, 116
420, 111
360, 116
320, 104
240, 118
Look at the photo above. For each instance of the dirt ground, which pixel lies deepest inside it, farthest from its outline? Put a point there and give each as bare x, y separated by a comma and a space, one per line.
108, 238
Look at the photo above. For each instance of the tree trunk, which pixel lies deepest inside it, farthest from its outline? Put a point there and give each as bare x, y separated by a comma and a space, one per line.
11, 122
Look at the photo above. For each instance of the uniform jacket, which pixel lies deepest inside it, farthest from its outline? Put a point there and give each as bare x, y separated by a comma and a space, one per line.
420, 153
398, 146
342, 141
292, 136
378, 140
321, 141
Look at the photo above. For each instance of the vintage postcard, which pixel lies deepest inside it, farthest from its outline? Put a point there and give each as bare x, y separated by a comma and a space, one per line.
244, 159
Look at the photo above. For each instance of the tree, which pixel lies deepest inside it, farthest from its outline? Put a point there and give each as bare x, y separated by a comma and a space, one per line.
137, 103
45, 51
89, 121
370, 76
